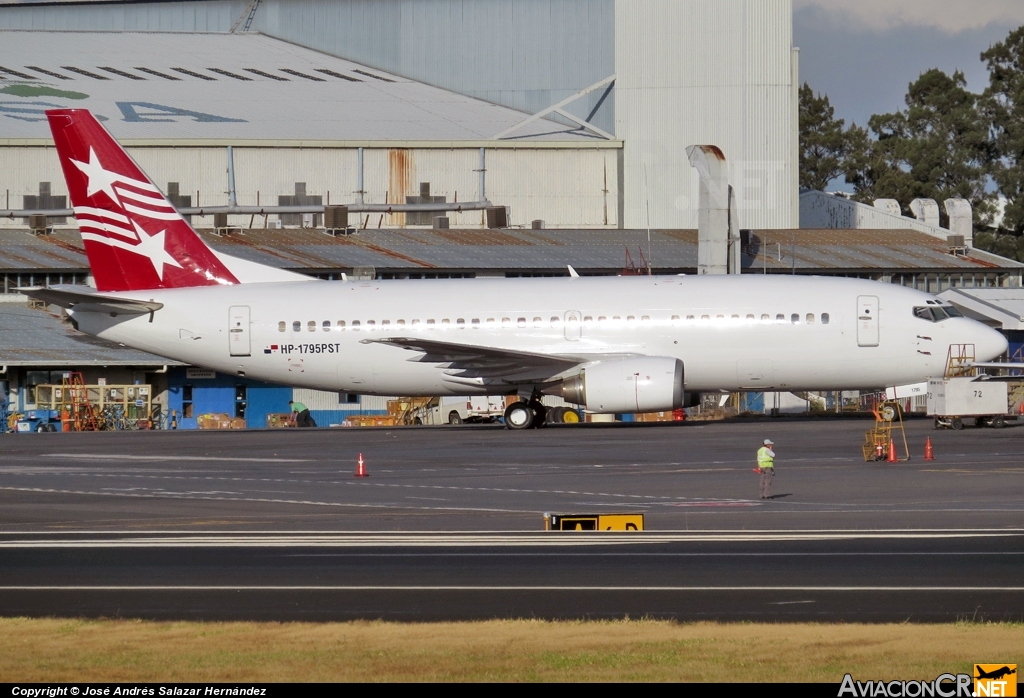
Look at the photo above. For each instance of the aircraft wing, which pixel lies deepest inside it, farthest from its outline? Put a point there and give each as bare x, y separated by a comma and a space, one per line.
84, 299
476, 362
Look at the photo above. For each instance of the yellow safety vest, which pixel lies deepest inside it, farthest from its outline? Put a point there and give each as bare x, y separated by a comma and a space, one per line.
763, 459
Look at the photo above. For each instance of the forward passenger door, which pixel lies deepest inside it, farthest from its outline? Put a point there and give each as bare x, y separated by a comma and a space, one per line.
867, 321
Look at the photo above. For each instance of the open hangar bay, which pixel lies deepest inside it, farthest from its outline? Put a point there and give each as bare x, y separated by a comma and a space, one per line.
273, 525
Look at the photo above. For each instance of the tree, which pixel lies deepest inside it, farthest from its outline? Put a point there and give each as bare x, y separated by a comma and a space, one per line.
823, 144
1003, 104
937, 148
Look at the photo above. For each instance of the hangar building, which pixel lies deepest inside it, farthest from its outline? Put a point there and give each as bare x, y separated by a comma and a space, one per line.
583, 108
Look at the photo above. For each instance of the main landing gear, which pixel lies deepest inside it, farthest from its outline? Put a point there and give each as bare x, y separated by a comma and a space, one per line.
525, 415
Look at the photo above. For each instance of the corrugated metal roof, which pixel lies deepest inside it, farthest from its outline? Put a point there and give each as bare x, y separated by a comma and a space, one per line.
150, 85
37, 338
539, 250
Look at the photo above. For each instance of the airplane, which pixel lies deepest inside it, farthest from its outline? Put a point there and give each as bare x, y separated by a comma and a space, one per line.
995, 674
607, 344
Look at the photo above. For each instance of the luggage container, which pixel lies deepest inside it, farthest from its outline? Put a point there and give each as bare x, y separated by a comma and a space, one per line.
952, 400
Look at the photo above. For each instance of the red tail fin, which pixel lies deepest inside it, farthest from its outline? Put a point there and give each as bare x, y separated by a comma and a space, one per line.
134, 237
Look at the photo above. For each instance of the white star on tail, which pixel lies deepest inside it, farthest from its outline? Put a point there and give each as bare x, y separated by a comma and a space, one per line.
152, 246
99, 178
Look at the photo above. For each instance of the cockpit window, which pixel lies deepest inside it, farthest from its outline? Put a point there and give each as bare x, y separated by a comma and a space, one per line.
936, 313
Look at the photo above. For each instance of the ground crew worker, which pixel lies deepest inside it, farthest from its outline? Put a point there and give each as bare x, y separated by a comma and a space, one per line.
300, 416
766, 465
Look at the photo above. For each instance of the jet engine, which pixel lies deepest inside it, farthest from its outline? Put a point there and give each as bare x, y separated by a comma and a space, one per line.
642, 384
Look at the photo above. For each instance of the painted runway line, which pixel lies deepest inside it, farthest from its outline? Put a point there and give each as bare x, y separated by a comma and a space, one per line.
512, 539
365, 587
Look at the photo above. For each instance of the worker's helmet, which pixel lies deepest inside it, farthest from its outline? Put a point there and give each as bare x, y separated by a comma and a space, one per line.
769, 442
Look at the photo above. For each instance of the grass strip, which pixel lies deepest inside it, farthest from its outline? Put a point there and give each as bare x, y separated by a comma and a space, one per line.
53, 649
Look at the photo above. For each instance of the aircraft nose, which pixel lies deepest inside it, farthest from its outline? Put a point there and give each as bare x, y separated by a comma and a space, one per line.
991, 344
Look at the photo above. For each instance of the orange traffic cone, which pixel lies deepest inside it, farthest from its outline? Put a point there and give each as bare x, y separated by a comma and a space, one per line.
361, 467
928, 455
1020, 408
892, 453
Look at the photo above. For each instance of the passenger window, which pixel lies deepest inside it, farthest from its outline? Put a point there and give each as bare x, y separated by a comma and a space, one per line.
588, 320
281, 326
555, 322
490, 321
400, 323
311, 325
355, 325
461, 322
705, 318
445, 322
750, 318
522, 322
630, 318
415, 323
538, 322
824, 318
616, 318
794, 318
780, 318
385, 323
765, 317
506, 322
327, 325
675, 319
296, 326
719, 317
341, 325
371, 325
430, 324
476, 323
810, 318
690, 318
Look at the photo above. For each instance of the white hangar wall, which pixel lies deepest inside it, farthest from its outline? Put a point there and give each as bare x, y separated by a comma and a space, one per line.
721, 73
565, 187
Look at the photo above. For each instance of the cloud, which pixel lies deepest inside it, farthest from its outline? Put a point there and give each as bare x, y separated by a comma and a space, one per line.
950, 16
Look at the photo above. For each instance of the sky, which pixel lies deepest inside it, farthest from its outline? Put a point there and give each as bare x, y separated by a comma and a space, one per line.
864, 53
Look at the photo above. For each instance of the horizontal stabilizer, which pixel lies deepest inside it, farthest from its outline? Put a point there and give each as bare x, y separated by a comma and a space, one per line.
82, 300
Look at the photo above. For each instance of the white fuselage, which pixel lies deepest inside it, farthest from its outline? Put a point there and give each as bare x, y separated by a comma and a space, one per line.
731, 333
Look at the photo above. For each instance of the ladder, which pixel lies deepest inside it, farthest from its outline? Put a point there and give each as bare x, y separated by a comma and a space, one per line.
247, 16
75, 401
960, 360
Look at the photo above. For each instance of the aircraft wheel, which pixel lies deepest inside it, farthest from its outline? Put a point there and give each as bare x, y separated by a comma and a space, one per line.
454, 418
997, 422
518, 415
556, 415
956, 424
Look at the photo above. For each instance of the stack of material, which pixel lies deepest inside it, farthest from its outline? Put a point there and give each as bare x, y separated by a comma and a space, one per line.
216, 421
278, 421
371, 420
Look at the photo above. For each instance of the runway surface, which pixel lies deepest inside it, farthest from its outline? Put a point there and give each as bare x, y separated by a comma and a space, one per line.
272, 525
